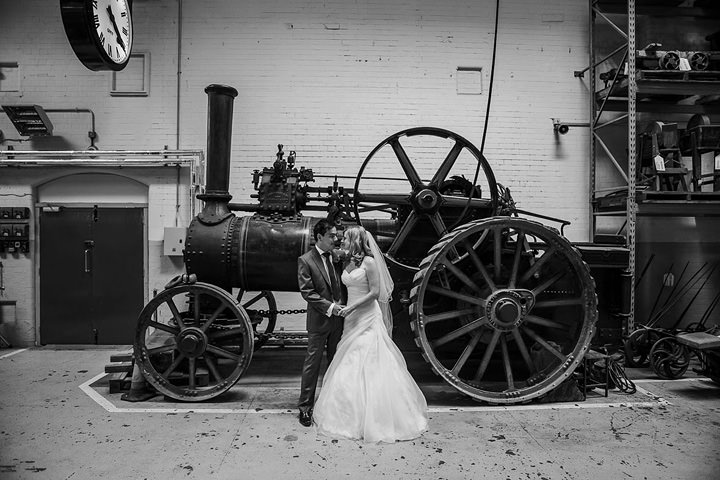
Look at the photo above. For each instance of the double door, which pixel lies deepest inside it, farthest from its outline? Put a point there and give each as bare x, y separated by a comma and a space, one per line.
91, 275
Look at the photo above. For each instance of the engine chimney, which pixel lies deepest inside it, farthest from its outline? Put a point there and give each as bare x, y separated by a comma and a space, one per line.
219, 140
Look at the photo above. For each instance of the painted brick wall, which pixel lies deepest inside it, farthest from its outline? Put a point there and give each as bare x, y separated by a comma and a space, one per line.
329, 79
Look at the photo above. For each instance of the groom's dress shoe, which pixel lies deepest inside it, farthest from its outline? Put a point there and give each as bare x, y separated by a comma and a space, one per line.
305, 419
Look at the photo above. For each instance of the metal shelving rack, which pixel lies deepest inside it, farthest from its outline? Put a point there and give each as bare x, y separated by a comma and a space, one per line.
621, 98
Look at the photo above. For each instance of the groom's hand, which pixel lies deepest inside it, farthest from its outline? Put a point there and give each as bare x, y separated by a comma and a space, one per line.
337, 308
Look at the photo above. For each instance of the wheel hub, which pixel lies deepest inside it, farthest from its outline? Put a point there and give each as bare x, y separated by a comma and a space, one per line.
507, 309
192, 342
426, 200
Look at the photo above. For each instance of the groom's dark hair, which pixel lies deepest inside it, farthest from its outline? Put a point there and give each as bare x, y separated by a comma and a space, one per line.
321, 228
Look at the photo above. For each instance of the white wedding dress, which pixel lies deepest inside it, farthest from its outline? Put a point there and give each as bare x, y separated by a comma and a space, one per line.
367, 392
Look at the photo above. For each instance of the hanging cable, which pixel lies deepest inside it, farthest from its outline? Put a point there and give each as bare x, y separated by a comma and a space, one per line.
487, 117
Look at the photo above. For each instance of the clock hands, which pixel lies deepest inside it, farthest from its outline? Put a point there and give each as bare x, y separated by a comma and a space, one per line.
117, 31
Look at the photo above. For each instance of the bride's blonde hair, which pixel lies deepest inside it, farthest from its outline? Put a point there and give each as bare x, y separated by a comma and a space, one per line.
358, 244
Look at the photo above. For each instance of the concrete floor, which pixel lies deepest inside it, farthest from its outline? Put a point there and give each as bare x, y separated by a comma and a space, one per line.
57, 421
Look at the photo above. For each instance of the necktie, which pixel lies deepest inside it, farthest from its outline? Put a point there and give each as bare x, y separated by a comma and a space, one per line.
333, 280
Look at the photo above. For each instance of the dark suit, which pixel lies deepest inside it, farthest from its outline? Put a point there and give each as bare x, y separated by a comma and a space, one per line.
323, 331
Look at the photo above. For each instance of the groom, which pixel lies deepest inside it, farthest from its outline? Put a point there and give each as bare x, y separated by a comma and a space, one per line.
320, 286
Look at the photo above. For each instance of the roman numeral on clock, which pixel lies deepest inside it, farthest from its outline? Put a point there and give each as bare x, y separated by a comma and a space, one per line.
97, 21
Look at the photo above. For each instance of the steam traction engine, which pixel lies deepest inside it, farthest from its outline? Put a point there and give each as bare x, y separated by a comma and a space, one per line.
502, 308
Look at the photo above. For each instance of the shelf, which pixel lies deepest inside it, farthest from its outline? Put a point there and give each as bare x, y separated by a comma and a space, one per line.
662, 8
653, 203
667, 87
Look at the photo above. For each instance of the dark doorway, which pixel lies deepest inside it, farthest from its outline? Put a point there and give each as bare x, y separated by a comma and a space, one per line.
91, 275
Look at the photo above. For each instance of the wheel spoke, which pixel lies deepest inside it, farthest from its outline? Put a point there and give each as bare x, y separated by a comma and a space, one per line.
212, 367
458, 332
497, 251
447, 164
438, 224
191, 372
565, 302
516, 259
446, 315
406, 164
253, 300
214, 316
196, 308
240, 294
459, 296
506, 362
479, 266
536, 266
163, 327
540, 288
545, 322
161, 349
176, 314
403, 234
466, 353
222, 353
173, 365
545, 344
486, 357
523, 350
460, 275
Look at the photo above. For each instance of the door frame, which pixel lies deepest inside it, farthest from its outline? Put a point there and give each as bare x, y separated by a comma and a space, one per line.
36, 251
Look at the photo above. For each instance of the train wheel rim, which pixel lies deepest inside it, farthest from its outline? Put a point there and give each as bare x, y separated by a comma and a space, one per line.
194, 354
503, 309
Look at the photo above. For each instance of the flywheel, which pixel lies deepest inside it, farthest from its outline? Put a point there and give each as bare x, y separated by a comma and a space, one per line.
193, 342
398, 181
503, 309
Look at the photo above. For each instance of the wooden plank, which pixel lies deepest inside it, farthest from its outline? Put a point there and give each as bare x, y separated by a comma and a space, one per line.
119, 367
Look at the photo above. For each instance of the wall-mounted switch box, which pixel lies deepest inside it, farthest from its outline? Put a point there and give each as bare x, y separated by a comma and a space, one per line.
174, 241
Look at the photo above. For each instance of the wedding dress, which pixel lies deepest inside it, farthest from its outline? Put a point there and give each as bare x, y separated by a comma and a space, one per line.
367, 392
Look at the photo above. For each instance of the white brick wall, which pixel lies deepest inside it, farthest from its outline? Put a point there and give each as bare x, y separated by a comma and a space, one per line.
329, 79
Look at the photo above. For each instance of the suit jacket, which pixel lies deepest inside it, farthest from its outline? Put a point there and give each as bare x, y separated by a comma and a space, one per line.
316, 289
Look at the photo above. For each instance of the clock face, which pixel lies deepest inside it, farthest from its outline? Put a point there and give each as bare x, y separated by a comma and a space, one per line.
113, 28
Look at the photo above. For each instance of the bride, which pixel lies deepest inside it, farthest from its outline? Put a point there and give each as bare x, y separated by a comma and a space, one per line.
367, 392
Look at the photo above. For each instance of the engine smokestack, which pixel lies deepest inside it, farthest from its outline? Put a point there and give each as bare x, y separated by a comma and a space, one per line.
219, 140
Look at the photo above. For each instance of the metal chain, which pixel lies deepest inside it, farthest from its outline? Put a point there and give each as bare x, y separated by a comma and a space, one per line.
280, 312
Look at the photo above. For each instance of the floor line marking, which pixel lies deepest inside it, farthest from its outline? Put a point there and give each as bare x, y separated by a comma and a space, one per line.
110, 407
659, 380
12, 353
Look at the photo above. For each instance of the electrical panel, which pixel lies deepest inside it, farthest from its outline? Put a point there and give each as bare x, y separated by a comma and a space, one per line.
14, 230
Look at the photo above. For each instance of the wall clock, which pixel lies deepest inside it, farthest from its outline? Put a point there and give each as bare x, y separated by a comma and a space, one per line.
99, 31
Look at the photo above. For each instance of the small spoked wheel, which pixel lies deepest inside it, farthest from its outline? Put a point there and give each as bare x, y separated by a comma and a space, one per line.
424, 204
669, 358
637, 346
503, 309
193, 342
262, 311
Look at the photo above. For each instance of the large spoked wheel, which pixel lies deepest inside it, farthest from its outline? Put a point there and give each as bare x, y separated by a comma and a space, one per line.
262, 310
193, 342
503, 309
669, 359
425, 210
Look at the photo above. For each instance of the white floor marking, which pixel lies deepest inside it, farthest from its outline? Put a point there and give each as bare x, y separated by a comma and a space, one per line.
12, 353
110, 407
